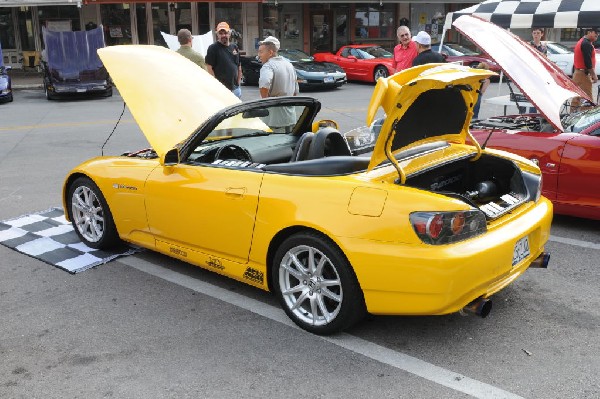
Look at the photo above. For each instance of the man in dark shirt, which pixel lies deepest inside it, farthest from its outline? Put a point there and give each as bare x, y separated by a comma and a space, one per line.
425, 56
584, 62
223, 60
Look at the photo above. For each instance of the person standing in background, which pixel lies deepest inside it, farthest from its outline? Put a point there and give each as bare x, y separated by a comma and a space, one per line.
584, 63
536, 42
406, 51
426, 55
223, 60
184, 36
277, 79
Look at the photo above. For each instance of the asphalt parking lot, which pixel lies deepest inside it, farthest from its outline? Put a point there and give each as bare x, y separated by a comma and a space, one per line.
150, 326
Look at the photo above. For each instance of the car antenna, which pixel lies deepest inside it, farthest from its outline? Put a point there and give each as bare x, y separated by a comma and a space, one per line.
114, 128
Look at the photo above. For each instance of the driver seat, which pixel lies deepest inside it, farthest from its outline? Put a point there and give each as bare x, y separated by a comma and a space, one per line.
326, 143
302, 146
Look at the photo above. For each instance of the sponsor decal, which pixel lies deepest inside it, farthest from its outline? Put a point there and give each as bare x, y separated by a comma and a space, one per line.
443, 183
123, 186
178, 251
254, 275
214, 263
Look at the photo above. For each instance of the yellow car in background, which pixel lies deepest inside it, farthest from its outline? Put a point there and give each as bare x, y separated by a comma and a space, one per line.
402, 218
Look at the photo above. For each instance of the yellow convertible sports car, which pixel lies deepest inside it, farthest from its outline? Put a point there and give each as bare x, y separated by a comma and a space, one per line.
402, 218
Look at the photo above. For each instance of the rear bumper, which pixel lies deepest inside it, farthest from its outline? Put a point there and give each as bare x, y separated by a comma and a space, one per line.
425, 279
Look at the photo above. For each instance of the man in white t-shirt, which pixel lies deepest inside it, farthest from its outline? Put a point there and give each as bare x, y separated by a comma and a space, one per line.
277, 79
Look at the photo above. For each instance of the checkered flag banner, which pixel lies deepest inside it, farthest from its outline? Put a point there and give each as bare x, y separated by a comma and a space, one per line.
515, 14
48, 236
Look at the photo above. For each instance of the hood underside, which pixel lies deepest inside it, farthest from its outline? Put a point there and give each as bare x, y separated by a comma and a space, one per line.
538, 78
428, 103
168, 95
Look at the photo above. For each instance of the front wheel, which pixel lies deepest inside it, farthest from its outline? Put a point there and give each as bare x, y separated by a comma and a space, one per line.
380, 72
316, 285
90, 215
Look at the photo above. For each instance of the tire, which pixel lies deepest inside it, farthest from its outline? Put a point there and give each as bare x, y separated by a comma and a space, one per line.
316, 285
380, 72
90, 215
49, 96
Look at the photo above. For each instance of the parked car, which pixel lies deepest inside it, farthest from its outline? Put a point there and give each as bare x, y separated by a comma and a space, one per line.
425, 225
454, 52
364, 62
311, 74
71, 65
6, 94
566, 146
563, 57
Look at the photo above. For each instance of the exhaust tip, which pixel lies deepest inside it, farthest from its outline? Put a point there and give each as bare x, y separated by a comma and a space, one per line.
480, 307
541, 262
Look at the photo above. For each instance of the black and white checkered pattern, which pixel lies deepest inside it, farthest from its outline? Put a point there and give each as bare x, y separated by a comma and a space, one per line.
48, 236
520, 14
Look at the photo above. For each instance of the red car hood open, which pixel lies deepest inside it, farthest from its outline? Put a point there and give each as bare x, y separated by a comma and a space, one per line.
538, 78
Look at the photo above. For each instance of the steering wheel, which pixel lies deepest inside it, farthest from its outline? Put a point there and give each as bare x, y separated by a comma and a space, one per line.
232, 151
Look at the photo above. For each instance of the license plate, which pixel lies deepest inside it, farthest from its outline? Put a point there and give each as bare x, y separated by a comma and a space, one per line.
328, 79
81, 90
521, 250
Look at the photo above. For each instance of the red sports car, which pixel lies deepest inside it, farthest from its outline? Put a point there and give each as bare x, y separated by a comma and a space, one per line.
565, 145
365, 62
454, 52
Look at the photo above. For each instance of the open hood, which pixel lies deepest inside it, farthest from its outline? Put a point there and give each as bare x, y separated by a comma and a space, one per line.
168, 95
427, 103
538, 78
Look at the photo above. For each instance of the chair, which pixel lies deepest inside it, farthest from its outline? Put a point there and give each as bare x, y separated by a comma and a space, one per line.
302, 146
328, 142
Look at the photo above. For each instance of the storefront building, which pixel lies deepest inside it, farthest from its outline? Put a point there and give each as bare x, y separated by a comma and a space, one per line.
308, 25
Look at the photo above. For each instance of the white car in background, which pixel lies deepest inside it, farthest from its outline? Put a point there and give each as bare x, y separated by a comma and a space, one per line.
562, 56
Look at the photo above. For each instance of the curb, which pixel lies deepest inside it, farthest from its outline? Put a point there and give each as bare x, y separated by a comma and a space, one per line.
27, 86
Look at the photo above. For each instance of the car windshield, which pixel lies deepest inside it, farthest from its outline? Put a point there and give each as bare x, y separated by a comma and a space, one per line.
455, 49
557, 48
295, 55
258, 121
580, 121
374, 52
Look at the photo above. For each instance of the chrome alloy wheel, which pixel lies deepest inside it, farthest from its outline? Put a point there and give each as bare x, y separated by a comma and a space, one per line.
88, 214
310, 285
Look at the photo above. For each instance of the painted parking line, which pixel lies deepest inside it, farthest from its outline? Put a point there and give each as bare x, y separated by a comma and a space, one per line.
373, 351
572, 241
65, 124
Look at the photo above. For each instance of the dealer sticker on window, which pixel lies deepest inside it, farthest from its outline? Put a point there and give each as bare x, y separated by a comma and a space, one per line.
521, 250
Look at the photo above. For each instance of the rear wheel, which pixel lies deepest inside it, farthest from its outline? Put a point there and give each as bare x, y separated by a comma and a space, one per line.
49, 95
90, 215
316, 285
380, 72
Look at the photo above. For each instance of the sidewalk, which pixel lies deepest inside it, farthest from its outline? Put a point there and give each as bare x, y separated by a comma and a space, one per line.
25, 79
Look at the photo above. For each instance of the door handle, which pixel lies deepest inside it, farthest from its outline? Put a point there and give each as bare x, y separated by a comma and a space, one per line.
235, 192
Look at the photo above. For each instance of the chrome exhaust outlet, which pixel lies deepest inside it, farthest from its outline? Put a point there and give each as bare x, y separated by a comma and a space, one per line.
480, 307
541, 262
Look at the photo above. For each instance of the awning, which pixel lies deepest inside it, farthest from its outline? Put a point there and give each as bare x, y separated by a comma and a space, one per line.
524, 14
25, 3
166, 1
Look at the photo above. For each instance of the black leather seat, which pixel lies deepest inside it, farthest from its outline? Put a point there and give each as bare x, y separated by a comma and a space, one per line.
326, 143
302, 146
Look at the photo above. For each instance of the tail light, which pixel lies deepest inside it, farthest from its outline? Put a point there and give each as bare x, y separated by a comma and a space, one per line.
447, 227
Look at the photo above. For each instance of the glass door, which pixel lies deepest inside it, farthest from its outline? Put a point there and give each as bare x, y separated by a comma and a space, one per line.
320, 28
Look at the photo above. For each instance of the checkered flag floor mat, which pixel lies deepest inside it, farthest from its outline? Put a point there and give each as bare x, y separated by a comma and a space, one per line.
48, 236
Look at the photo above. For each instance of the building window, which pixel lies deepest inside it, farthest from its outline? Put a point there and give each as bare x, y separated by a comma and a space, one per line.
160, 22
116, 21
142, 25
7, 29
571, 34
203, 22
374, 22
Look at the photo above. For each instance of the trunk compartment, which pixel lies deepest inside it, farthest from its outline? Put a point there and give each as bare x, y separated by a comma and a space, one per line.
492, 184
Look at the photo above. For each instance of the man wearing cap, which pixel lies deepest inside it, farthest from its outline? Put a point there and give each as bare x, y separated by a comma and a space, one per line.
277, 78
584, 62
223, 60
406, 51
425, 56
184, 36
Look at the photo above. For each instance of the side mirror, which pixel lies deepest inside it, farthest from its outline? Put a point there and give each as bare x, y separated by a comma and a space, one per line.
171, 157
